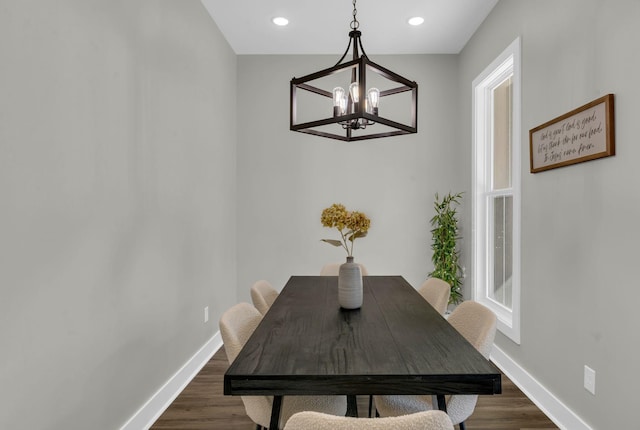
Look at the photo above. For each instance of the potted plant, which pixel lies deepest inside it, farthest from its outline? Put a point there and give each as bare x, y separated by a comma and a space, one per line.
446, 255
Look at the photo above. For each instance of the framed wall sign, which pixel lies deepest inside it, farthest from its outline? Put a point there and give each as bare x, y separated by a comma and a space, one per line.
584, 134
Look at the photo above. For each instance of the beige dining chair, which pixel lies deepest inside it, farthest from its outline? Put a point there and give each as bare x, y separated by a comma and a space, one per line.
477, 324
263, 295
236, 326
332, 269
436, 292
430, 420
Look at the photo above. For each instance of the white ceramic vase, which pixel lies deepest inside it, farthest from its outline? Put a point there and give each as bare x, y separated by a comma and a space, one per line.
350, 285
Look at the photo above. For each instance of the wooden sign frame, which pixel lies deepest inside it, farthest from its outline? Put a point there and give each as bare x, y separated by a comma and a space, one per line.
584, 134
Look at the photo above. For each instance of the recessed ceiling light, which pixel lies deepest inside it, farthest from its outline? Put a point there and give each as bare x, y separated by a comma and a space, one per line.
416, 20
280, 21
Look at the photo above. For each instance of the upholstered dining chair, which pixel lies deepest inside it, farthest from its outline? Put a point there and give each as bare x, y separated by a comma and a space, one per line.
477, 324
429, 420
332, 269
436, 292
236, 326
263, 295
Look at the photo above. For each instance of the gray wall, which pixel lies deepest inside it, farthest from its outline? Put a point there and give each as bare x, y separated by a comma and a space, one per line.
579, 223
285, 179
117, 203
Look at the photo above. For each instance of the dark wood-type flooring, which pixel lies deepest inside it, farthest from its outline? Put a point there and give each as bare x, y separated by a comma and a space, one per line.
203, 406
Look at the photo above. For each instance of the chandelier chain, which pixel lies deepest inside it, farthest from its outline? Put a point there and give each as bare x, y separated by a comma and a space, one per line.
354, 24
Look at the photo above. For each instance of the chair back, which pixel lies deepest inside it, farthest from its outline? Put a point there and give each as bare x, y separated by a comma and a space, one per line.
332, 269
436, 292
430, 420
477, 324
263, 295
236, 326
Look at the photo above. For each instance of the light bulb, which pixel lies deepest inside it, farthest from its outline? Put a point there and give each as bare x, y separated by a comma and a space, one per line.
354, 90
373, 97
343, 105
339, 101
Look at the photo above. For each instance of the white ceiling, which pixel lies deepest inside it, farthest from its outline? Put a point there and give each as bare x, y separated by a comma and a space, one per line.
322, 27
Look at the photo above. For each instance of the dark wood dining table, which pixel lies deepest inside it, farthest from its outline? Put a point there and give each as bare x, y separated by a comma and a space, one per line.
396, 343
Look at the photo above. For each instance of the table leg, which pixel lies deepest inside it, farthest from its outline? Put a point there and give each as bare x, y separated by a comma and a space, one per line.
275, 413
442, 403
352, 406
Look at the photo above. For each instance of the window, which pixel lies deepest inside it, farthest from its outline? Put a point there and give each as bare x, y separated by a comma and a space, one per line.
496, 189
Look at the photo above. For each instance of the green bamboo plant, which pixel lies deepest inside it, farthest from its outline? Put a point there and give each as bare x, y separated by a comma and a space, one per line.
445, 237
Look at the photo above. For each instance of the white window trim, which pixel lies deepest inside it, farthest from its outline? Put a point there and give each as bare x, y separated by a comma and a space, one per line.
507, 62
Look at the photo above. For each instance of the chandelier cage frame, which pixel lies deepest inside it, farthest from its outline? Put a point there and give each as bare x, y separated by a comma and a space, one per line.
357, 117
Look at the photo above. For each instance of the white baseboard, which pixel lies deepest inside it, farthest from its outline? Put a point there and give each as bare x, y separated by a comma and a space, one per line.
552, 407
160, 401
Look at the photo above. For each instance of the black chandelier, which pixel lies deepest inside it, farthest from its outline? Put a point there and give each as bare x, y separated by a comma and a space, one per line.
357, 111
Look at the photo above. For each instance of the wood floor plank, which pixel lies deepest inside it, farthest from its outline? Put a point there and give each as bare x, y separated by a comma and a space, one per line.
202, 405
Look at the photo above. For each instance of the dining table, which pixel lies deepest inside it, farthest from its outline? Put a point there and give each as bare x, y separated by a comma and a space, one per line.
395, 343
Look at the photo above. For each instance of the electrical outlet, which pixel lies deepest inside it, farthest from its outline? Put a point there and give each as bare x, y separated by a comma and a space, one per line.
206, 314
590, 380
